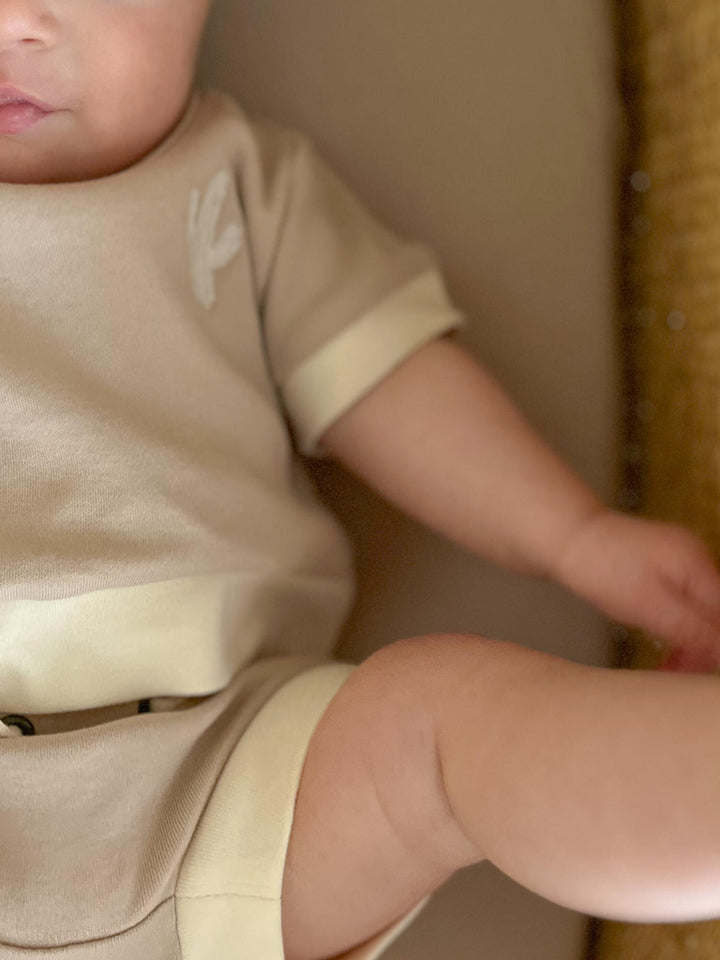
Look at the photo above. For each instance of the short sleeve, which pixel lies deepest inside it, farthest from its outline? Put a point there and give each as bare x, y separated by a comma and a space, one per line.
344, 300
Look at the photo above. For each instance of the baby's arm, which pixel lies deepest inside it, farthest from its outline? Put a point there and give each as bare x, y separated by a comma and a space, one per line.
440, 439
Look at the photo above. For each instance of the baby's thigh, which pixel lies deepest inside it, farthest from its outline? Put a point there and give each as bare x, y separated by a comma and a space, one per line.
372, 833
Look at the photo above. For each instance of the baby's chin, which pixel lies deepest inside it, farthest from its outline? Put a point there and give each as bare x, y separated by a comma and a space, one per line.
26, 160
28, 171
53, 169
37, 160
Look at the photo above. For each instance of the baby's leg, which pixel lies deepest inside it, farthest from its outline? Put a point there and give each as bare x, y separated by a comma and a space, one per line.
597, 789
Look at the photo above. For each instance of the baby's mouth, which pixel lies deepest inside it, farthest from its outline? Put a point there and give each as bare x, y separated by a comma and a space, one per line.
19, 109
19, 115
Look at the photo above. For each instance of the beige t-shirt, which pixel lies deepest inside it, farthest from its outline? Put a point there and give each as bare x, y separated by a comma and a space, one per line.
170, 336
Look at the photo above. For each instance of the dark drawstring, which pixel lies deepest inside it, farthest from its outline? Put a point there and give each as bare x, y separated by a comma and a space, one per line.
22, 723
25, 726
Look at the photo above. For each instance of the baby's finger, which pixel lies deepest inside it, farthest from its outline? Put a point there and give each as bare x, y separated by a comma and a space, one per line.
689, 563
703, 586
679, 621
682, 660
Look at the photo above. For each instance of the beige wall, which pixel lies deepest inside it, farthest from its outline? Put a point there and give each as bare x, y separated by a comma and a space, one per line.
489, 131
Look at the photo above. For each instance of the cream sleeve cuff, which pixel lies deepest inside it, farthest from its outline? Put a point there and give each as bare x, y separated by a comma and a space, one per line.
328, 383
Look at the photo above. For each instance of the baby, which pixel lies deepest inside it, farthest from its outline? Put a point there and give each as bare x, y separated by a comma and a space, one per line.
190, 301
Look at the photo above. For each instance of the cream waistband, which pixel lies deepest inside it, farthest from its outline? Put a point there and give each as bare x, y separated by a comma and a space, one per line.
119, 645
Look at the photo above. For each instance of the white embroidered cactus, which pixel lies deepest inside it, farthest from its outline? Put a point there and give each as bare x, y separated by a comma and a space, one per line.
208, 253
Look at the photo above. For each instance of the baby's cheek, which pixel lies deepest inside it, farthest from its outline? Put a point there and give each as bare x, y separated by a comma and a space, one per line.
117, 131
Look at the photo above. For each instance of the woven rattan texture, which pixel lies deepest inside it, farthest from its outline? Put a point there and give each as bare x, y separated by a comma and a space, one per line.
698, 941
670, 309
672, 258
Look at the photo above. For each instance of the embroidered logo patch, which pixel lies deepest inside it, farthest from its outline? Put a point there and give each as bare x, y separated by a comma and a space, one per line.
208, 252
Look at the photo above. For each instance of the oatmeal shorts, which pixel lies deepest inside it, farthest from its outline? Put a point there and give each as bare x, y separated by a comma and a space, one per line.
160, 834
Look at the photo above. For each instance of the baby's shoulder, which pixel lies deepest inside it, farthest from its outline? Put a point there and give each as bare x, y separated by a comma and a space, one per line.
249, 133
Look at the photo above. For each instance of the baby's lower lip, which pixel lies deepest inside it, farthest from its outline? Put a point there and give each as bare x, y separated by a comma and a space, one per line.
16, 117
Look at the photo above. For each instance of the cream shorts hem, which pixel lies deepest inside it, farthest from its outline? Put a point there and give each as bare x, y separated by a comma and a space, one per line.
227, 897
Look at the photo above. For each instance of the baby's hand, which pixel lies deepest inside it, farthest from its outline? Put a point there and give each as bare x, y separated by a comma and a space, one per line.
655, 576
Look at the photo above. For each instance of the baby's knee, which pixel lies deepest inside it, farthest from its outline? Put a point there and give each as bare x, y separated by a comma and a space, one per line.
427, 653
397, 701
415, 675
386, 715
395, 690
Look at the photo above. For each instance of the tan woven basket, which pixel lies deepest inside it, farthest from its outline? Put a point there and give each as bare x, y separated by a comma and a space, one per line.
670, 309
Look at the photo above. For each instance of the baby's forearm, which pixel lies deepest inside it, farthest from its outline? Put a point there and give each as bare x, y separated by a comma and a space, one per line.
440, 439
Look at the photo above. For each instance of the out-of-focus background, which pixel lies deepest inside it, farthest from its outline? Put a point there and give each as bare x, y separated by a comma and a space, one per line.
490, 132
